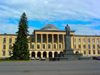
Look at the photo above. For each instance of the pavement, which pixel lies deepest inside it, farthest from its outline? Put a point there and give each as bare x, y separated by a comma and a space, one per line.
37, 67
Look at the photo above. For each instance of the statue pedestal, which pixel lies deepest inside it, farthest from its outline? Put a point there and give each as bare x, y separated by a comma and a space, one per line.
68, 51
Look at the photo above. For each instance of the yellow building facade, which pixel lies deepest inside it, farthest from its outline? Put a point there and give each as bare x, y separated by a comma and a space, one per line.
49, 41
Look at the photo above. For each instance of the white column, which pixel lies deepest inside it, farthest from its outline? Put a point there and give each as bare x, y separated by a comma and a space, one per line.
36, 41
47, 41
63, 41
35, 54
58, 41
41, 54
41, 41
52, 41
52, 54
30, 53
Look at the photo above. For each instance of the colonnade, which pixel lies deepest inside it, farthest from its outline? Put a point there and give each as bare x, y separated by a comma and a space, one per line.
58, 35
46, 54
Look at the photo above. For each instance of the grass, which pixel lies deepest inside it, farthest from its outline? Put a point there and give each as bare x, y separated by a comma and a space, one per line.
12, 60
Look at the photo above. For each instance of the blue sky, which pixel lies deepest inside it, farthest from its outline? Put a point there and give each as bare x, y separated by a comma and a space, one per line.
83, 16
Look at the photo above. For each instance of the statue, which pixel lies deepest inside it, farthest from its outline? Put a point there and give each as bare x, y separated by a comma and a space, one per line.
67, 28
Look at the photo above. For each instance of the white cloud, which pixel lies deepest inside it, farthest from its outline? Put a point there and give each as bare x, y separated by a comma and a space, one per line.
84, 29
52, 10
83, 10
13, 28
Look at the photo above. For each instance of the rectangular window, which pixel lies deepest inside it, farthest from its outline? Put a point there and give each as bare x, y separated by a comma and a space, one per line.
38, 46
32, 39
93, 46
32, 46
43, 39
9, 46
9, 53
84, 52
84, 46
3, 53
93, 51
79, 40
98, 51
93, 41
88, 41
59, 39
54, 46
54, 39
49, 39
88, 46
48, 46
4, 46
4, 40
79, 46
97, 41
38, 40
83, 40
89, 52
59, 46
10, 40
43, 46
97, 46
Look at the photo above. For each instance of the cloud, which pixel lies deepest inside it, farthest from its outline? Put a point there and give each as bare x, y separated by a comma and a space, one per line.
84, 29
51, 9
13, 28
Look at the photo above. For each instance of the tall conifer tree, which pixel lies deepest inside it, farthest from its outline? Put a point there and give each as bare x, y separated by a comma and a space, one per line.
20, 48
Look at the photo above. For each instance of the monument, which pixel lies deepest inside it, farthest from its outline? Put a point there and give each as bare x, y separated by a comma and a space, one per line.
68, 49
68, 53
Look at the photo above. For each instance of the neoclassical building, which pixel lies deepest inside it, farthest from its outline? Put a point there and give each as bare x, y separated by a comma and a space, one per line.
49, 41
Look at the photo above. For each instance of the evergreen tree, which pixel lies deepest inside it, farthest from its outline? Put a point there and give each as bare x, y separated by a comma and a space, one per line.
20, 48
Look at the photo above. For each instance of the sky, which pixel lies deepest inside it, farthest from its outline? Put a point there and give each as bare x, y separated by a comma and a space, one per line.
83, 16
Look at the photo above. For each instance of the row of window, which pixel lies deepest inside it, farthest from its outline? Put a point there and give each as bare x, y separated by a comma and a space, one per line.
49, 40
84, 46
38, 40
93, 41
38, 46
44, 40
89, 52
49, 46
4, 40
8, 53
4, 46
10, 40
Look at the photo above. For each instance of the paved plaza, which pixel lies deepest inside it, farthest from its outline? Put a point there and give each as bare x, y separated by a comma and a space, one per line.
36, 67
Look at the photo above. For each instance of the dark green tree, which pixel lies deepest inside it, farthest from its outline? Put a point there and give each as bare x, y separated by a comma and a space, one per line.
20, 48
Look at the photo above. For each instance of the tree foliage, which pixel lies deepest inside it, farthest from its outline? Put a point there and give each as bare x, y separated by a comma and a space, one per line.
20, 48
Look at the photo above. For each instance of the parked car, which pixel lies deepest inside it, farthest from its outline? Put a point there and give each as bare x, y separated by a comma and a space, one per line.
37, 58
98, 58
95, 58
32, 58
43, 58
